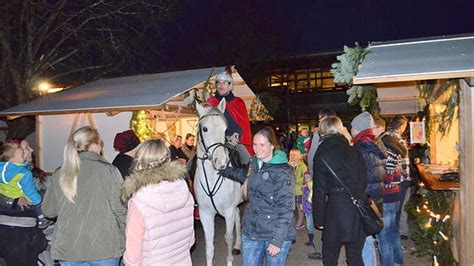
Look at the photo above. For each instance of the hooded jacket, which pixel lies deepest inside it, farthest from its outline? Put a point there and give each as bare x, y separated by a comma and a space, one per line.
160, 216
17, 181
269, 215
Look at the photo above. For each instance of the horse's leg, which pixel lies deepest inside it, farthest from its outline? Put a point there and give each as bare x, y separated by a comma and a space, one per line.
207, 221
238, 233
229, 234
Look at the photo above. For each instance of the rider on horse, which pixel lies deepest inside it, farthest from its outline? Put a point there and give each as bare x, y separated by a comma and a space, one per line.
238, 132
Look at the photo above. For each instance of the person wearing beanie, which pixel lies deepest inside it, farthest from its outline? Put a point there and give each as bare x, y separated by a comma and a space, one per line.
126, 144
363, 138
238, 133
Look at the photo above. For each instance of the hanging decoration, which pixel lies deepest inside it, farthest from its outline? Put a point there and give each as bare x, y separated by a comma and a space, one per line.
365, 96
263, 107
140, 124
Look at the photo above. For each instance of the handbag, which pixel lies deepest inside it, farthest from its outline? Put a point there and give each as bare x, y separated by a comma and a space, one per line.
371, 218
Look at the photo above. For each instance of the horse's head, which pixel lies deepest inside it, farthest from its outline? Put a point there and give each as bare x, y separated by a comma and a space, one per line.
211, 134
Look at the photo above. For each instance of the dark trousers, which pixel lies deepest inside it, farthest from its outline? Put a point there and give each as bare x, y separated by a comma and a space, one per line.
20, 246
353, 252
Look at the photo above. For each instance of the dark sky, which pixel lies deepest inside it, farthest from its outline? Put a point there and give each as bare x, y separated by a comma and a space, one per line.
207, 32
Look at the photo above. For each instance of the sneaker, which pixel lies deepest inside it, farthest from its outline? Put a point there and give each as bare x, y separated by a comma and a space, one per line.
300, 226
315, 256
43, 223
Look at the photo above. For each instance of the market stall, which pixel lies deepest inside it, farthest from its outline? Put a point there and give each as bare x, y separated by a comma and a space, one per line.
434, 76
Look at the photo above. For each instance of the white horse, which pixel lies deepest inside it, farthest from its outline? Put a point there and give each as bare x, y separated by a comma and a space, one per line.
216, 194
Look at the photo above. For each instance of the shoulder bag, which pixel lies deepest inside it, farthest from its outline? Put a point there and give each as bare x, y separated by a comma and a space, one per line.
371, 218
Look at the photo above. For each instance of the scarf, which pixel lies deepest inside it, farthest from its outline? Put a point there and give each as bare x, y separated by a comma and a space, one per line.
364, 136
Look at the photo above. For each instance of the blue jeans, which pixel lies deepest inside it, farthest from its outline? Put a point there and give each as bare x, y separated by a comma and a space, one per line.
369, 255
309, 222
106, 262
253, 252
389, 238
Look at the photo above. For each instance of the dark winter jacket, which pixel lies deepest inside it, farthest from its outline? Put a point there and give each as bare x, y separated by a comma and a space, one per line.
375, 162
269, 215
332, 206
123, 162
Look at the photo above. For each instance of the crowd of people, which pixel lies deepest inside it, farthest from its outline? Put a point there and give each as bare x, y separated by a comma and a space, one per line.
140, 208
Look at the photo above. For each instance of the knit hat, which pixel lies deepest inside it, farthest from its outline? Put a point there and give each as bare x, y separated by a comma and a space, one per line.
126, 141
363, 121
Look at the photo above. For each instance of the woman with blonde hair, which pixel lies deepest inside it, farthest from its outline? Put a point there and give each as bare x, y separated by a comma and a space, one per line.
333, 210
160, 209
85, 197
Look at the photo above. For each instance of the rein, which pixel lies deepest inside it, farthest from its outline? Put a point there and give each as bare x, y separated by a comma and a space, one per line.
208, 155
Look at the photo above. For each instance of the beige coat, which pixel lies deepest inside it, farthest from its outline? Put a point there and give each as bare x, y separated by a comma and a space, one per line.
92, 228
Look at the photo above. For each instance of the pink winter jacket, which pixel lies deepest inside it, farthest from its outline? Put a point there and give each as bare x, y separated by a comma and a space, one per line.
160, 217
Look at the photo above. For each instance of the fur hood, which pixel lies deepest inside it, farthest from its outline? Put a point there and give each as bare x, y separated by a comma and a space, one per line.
170, 171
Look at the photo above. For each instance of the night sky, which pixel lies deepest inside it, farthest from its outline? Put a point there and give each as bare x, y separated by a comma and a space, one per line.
212, 32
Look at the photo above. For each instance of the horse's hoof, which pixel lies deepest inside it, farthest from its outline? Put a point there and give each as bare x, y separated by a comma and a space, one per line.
235, 252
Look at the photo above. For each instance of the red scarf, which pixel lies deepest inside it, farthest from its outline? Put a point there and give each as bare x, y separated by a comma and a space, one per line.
364, 136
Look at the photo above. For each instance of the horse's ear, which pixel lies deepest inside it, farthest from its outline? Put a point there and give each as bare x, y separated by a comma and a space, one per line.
221, 105
200, 109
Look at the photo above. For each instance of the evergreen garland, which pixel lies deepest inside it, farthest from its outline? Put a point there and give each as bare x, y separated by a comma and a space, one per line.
450, 110
365, 96
430, 210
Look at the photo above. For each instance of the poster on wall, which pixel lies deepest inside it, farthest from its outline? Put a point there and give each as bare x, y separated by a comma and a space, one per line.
417, 132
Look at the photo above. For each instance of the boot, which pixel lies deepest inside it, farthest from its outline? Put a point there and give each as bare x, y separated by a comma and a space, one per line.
310, 240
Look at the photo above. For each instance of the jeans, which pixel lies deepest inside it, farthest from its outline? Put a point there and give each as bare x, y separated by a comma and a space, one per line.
106, 262
253, 252
402, 216
309, 222
389, 238
369, 255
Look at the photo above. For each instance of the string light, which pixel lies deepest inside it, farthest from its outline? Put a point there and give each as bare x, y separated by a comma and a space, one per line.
418, 209
428, 224
443, 236
445, 218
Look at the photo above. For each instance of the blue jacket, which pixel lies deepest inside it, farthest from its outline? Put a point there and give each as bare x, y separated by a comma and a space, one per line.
269, 215
17, 181
375, 162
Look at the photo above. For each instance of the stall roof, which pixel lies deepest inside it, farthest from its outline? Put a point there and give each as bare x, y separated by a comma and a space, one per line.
435, 58
117, 94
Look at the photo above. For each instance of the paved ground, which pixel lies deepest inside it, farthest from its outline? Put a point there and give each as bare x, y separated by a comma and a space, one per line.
298, 254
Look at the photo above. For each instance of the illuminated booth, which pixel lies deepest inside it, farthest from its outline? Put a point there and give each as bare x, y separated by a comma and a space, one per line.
437, 74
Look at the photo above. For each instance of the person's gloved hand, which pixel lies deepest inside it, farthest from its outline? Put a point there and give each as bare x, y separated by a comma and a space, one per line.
234, 139
224, 172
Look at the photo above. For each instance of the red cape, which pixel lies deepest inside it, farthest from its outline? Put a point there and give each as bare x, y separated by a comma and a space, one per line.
238, 111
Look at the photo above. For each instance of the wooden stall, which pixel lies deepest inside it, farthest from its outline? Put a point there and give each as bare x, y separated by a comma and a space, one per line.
396, 64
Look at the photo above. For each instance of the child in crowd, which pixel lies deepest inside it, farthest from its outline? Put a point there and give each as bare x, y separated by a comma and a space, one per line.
303, 143
296, 160
17, 182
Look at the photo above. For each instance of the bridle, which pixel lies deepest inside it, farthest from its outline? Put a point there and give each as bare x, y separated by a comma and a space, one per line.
208, 150
209, 155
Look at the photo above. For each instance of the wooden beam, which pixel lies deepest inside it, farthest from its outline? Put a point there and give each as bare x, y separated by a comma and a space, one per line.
114, 113
11, 117
466, 124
